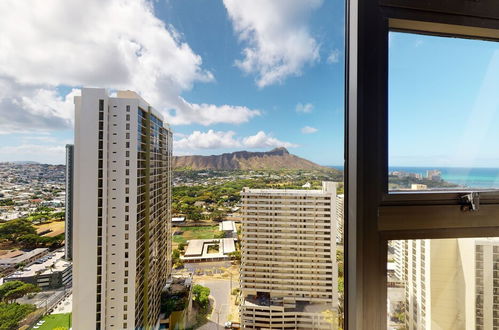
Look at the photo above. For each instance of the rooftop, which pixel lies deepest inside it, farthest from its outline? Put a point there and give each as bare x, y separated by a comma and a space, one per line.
327, 188
198, 248
22, 257
228, 226
52, 263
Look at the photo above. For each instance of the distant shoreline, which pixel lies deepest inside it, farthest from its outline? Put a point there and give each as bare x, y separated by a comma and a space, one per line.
473, 177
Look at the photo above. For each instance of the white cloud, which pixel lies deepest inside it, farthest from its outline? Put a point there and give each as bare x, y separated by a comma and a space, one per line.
308, 130
227, 140
208, 140
276, 35
52, 154
208, 114
30, 108
264, 140
334, 57
118, 44
305, 108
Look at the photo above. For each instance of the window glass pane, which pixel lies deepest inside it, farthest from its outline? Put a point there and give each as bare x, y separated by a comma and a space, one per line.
443, 112
443, 283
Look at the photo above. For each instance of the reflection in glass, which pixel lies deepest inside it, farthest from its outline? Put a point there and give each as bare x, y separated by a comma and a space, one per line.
443, 283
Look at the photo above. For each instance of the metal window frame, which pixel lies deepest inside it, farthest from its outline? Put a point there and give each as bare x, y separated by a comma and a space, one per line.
373, 216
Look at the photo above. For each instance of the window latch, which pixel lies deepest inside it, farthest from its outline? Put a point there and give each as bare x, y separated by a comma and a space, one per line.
470, 202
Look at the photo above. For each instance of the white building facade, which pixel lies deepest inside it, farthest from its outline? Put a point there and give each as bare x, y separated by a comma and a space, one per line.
122, 211
288, 265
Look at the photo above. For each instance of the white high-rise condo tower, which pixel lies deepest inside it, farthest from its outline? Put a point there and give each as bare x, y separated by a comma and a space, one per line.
288, 267
122, 211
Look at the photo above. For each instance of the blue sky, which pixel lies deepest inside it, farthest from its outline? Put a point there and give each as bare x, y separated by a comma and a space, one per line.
232, 75
443, 102
239, 75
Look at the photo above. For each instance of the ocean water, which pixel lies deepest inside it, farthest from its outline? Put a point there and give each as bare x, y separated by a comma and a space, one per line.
475, 177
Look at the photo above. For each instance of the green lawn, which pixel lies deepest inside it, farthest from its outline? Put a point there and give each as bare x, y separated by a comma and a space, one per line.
54, 321
179, 239
205, 232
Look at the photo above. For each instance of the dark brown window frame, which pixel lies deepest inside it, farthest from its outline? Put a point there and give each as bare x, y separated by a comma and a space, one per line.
372, 216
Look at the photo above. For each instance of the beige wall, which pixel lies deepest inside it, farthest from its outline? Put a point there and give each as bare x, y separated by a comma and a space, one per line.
289, 252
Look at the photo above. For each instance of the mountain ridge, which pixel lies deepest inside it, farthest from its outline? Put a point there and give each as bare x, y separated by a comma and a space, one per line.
275, 159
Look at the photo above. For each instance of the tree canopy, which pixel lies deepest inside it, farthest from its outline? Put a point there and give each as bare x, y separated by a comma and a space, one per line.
201, 295
13, 290
12, 314
14, 229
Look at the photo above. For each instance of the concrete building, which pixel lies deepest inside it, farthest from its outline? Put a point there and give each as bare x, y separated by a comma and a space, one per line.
433, 174
340, 218
450, 283
48, 273
68, 237
229, 228
288, 265
207, 250
122, 211
9, 262
418, 186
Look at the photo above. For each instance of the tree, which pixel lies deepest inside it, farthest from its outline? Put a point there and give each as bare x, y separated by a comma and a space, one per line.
9, 286
201, 295
7, 202
12, 314
59, 215
14, 229
20, 291
218, 215
194, 214
177, 262
30, 241
236, 255
44, 209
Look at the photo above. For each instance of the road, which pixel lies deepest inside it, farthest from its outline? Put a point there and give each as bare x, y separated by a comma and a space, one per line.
220, 291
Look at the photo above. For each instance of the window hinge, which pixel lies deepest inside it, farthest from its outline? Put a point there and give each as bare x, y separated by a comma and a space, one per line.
471, 202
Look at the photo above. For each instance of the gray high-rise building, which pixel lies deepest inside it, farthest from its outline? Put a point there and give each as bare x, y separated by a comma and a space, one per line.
68, 238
